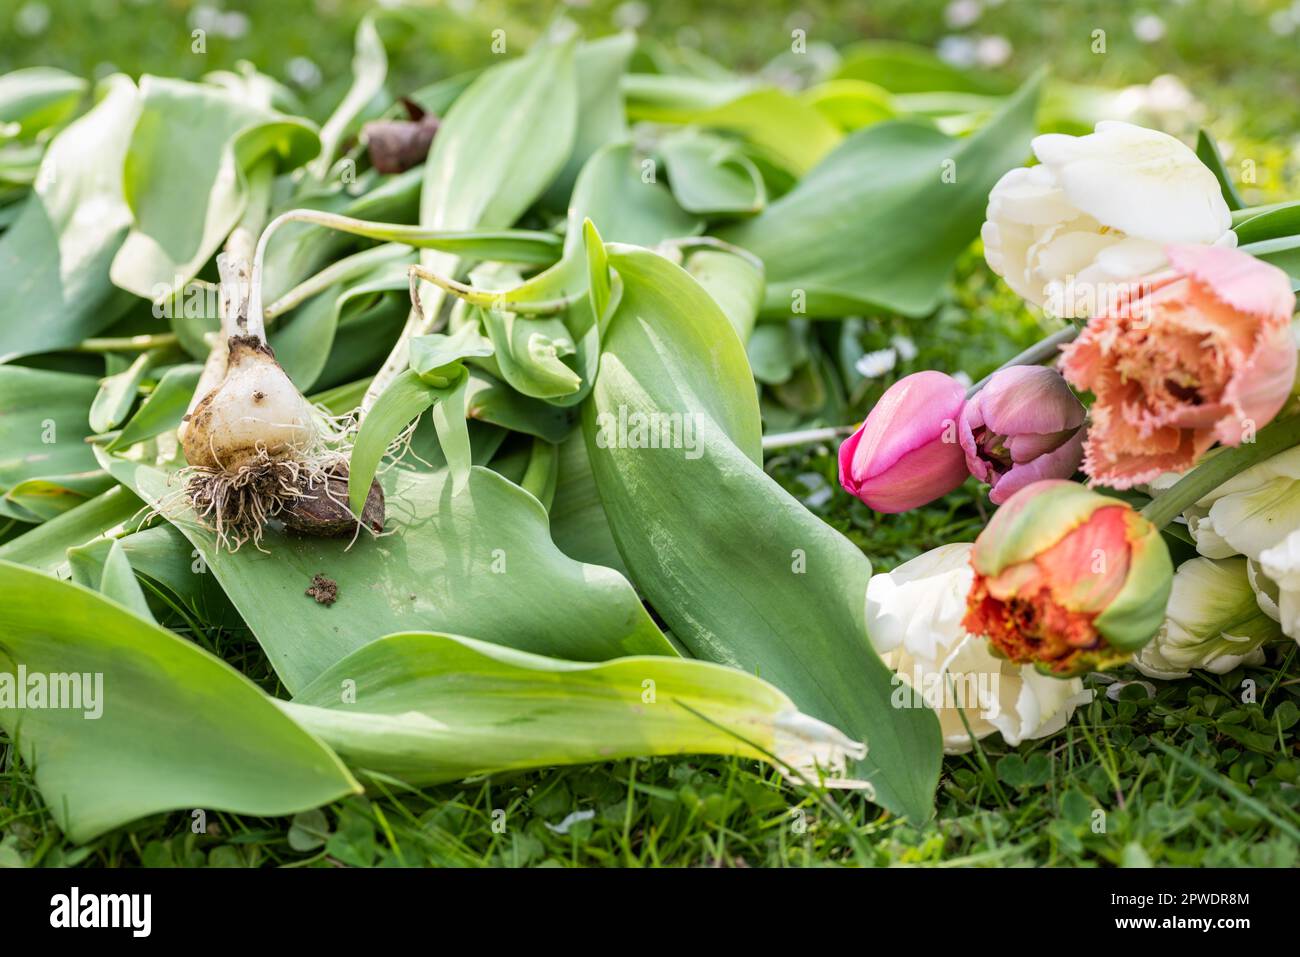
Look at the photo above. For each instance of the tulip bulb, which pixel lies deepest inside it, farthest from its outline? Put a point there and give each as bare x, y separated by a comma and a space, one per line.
258, 450
256, 414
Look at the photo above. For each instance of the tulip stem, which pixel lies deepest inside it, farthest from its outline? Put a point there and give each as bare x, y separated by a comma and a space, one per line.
786, 440
1205, 478
1036, 354
141, 343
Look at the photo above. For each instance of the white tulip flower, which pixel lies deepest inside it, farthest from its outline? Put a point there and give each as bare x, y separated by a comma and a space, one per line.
1213, 622
1256, 513
1075, 232
914, 618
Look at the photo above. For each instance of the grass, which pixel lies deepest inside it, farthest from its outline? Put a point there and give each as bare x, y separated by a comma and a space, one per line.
1189, 775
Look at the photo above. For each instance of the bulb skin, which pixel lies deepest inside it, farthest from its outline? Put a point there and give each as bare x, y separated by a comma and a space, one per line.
320, 512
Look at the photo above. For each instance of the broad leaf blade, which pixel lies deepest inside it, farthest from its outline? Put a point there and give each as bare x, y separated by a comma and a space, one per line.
742, 572
46, 437
55, 258
184, 177
481, 560
45, 547
431, 707
881, 221
1208, 153
369, 70
178, 729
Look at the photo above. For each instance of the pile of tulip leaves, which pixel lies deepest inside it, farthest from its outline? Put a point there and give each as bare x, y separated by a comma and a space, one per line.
620, 229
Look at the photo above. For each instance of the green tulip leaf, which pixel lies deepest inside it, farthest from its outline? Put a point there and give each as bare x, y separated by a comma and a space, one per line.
837, 244
45, 547
426, 708
1283, 252
1207, 151
602, 116
489, 400
1279, 222
176, 729
49, 496
852, 104
780, 127
501, 144
709, 175
784, 593
735, 283
480, 561
369, 70
38, 98
407, 397
42, 438
55, 258
117, 393
164, 408
103, 566
909, 68
185, 177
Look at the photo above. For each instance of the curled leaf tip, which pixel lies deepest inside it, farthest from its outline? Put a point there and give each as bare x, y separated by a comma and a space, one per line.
815, 750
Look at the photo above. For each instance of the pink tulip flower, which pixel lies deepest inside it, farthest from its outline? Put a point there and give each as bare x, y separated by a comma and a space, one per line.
1023, 426
1204, 354
907, 453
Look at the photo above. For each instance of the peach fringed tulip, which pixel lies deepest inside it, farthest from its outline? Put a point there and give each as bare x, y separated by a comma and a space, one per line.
1204, 354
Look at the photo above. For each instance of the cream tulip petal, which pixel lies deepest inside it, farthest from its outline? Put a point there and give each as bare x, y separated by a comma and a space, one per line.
1214, 621
1067, 253
1143, 182
1267, 593
1254, 521
917, 610
1006, 250
1130, 258
1056, 701
919, 605
1281, 563
1029, 197
1153, 664
1283, 465
1208, 542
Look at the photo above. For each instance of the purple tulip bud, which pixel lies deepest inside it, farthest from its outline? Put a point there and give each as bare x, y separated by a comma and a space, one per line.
1024, 426
907, 452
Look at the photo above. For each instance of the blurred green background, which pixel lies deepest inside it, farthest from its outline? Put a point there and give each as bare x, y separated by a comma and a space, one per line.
1232, 66
1239, 58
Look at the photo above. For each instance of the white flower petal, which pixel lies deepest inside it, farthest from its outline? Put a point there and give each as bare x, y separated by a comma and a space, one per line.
919, 605
1208, 542
1006, 250
1030, 197
1267, 594
1254, 521
1281, 563
1143, 182
915, 612
1099, 209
